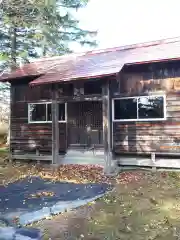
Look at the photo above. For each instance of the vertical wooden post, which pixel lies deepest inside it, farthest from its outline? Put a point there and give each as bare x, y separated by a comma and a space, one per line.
55, 125
106, 126
9, 139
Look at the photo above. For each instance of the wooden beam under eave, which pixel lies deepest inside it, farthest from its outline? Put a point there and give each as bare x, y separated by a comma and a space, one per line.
55, 125
106, 126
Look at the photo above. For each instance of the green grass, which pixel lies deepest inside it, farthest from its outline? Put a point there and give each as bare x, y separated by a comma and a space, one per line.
3, 154
3, 150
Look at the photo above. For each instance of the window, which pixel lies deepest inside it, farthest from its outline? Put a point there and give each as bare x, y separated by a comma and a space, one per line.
49, 116
37, 112
62, 112
41, 112
143, 108
125, 108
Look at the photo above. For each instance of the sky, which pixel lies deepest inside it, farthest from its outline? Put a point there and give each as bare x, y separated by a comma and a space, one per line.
123, 22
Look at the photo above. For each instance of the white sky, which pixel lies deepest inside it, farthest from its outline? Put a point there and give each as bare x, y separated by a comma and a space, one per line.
122, 22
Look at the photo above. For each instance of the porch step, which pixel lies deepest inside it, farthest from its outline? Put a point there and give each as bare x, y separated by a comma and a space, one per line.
85, 152
82, 156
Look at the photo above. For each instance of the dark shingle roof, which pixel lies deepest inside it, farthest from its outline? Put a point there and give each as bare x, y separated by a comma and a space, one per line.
96, 63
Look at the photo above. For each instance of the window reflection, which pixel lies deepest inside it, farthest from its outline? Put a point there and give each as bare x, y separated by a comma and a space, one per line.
139, 108
43, 112
37, 112
125, 108
150, 107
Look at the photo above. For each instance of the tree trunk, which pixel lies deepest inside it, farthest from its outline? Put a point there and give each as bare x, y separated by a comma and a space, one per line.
13, 32
13, 47
44, 52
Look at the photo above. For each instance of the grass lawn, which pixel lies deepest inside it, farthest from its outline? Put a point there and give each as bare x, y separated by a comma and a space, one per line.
147, 209
143, 205
3, 151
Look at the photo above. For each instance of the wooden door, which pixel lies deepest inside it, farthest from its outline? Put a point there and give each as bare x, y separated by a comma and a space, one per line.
85, 127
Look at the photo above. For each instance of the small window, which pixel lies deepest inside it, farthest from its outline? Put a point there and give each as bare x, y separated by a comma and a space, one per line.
37, 112
62, 112
49, 115
142, 108
151, 107
42, 112
125, 108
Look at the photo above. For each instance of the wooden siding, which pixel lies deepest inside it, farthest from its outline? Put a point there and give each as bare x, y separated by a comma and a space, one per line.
32, 137
149, 136
35, 137
24, 93
25, 137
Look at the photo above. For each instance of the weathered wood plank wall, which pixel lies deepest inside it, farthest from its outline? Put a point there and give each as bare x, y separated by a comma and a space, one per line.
27, 137
156, 136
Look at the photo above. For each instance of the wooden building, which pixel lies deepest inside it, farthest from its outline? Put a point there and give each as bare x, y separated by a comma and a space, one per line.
101, 107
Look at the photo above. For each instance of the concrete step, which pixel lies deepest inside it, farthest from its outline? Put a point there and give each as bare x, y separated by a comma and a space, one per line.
83, 152
83, 156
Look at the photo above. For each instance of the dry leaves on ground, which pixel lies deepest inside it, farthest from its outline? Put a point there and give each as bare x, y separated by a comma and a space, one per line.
75, 173
88, 173
142, 206
68, 173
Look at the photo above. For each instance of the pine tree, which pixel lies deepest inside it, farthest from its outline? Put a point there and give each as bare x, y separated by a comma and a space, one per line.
35, 28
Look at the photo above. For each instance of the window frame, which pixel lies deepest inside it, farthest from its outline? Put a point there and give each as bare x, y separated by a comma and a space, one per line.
46, 103
137, 119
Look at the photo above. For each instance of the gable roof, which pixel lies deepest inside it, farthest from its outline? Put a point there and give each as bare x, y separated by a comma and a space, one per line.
96, 63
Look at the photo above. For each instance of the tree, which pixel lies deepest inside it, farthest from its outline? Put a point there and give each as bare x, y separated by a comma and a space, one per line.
35, 28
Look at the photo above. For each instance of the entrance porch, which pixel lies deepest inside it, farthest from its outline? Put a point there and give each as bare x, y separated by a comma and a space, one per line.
87, 130
69, 123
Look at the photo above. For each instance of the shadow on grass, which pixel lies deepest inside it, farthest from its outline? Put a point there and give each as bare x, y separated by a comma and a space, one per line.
147, 209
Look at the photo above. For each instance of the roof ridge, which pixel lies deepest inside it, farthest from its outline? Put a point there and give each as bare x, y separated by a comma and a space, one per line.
105, 50
58, 57
135, 45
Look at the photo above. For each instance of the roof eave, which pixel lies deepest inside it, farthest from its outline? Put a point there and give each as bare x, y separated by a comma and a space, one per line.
153, 61
36, 83
10, 79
